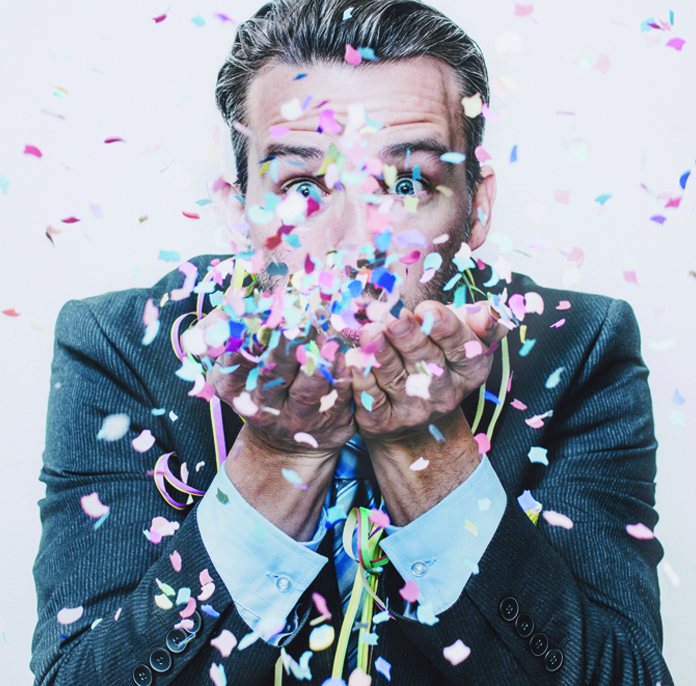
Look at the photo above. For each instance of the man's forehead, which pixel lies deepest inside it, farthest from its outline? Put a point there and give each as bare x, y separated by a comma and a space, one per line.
408, 96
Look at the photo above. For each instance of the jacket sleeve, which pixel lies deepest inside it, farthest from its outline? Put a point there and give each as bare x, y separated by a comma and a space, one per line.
585, 599
127, 592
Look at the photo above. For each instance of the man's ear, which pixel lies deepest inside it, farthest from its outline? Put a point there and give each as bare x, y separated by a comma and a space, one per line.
482, 207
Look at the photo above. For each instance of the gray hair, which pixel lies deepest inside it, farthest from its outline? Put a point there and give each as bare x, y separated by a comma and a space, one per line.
304, 32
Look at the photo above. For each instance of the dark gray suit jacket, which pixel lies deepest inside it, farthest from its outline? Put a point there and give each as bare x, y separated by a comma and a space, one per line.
591, 590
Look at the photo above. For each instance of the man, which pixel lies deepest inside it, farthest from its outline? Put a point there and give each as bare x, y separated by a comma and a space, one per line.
333, 107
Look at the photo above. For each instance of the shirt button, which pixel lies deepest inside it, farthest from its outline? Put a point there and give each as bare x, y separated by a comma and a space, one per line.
142, 675
160, 660
509, 608
284, 584
419, 569
553, 660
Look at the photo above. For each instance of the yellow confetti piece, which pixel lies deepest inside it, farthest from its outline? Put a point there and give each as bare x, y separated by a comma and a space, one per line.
473, 105
447, 192
471, 527
264, 167
63, 90
523, 333
142, 218
163, 602
410, 204
325, 165
164, 299
389, 171
321, 637
367, 129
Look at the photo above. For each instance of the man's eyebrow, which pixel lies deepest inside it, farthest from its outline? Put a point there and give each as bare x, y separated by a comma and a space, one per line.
431, 145
279, 150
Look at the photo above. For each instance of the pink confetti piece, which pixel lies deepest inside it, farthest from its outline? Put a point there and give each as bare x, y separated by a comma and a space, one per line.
639, 531
217, 675
175, 559
410, 591
457, 652
490, 115
279, 131
483, 442
523, 10
185, 624
676, 43
329, 349
558, 324
118, 614
69, 615
535, 422
563, 305
419, 465
411, 258
225, 642
473, 349
151, 313
161, 17
32, 150
244, 405
92, 506
674, 202
205, 578
143, 442
379, 518
576, 255
602, 64
435, 369
357, 678
518, 404
114, 140
481, 154
191, 215
352, 56
418, 386
428, 274
302, 437
322, 607
96, 210
557, 519
159, 528
328, 123
189, 609
11, 312
630, 277
70, 220
562, 196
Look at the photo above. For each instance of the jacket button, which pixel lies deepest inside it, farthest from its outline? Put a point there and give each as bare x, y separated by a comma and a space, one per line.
524, 626
509, 608
142, 675
539, 644
160, 660
553, 660
197, 622
176, 641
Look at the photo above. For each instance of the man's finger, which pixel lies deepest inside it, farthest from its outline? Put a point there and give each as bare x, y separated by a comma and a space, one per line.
391, 373
483, 321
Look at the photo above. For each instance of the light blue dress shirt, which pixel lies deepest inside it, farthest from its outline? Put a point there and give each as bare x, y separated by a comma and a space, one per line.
265, 571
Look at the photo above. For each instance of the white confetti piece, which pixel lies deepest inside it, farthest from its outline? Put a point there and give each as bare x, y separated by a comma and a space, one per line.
359, 678
143, 442
93, 506
473, 349
291, 110
69, 615
484, 504
206, 591
419, 465
456, 653
557, 519
426, 615
244, 405
472, 105
418, 385
114, 427
163, 602
537, 454
326, 402
292, 476
302, 437
225, 642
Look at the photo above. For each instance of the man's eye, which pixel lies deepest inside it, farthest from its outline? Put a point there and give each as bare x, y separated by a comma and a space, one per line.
306, 188
407, 186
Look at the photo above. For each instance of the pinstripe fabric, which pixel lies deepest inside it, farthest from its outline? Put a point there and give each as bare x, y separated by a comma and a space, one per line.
593, 590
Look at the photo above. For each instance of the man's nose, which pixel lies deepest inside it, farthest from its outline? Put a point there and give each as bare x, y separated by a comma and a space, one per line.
352, 220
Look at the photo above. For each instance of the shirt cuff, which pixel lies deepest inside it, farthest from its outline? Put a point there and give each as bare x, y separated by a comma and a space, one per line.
441, 549
265, 571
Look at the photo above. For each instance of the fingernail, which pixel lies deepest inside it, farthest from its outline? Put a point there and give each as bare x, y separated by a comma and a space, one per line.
400, 327
435, 314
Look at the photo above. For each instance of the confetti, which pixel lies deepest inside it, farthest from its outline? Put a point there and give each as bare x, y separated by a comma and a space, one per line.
419, 465
601, 199
562, 197
92, 506
456, 653
558, 324
555, 378
321, 637
326, 402
11, 312
322, 607
244, 405
70, 220
358, 678
453, 157
301, 437
292, 476
473, 349
217, 675
169, 256
157, 20
481, 155
639, 531
379, 518
683, 179
538, 455
410, 591
143, 442
676, 43
435, 432
4, 183
225, 642
113, 140
630, 277
472, 105
347, 14
471, 564
383, 667
418, 386
366, 400
426, 615
523, 10
483, 443
69, 615
557, 519
175, 559
114, 427
518, 404
352, 56
32, 150
163, 602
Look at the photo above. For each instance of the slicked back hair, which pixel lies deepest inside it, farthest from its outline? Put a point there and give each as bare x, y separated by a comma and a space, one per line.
305, 32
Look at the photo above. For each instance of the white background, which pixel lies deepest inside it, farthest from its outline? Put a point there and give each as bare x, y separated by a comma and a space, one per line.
152, 85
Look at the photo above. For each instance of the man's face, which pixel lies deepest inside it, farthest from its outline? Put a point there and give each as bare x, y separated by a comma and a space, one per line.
418, 104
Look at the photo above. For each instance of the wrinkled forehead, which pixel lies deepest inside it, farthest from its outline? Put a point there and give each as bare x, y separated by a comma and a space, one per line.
414, 92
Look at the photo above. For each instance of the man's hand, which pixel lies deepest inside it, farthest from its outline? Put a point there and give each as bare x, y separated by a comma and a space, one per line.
397, 427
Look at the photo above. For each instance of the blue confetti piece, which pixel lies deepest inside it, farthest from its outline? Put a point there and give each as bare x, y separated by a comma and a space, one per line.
683, 178
299, 76
169, 256
334, 680
277, 269
493, 280
368, 54
555, 378
292, 476
671, 17
229, 370
366, 400
387, 281
482, 216
101, 520
151, 331
453, 157
355, 288
426, 615
427, 325
383, 667
436, 433
396, 310
383, 240
527, 346
471, 564
198, 20
538, 455
252, 379
203, 202
183, 596
327, 374
4, 183
513, 154
210, 611
157, 411
601, 199
527, 502
432, 260
678, 399
272, 384
348, 14
416, 173
334, 514
492, 397
452, 282
645, 24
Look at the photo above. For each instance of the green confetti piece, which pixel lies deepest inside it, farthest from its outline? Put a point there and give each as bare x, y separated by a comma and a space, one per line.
222, 497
